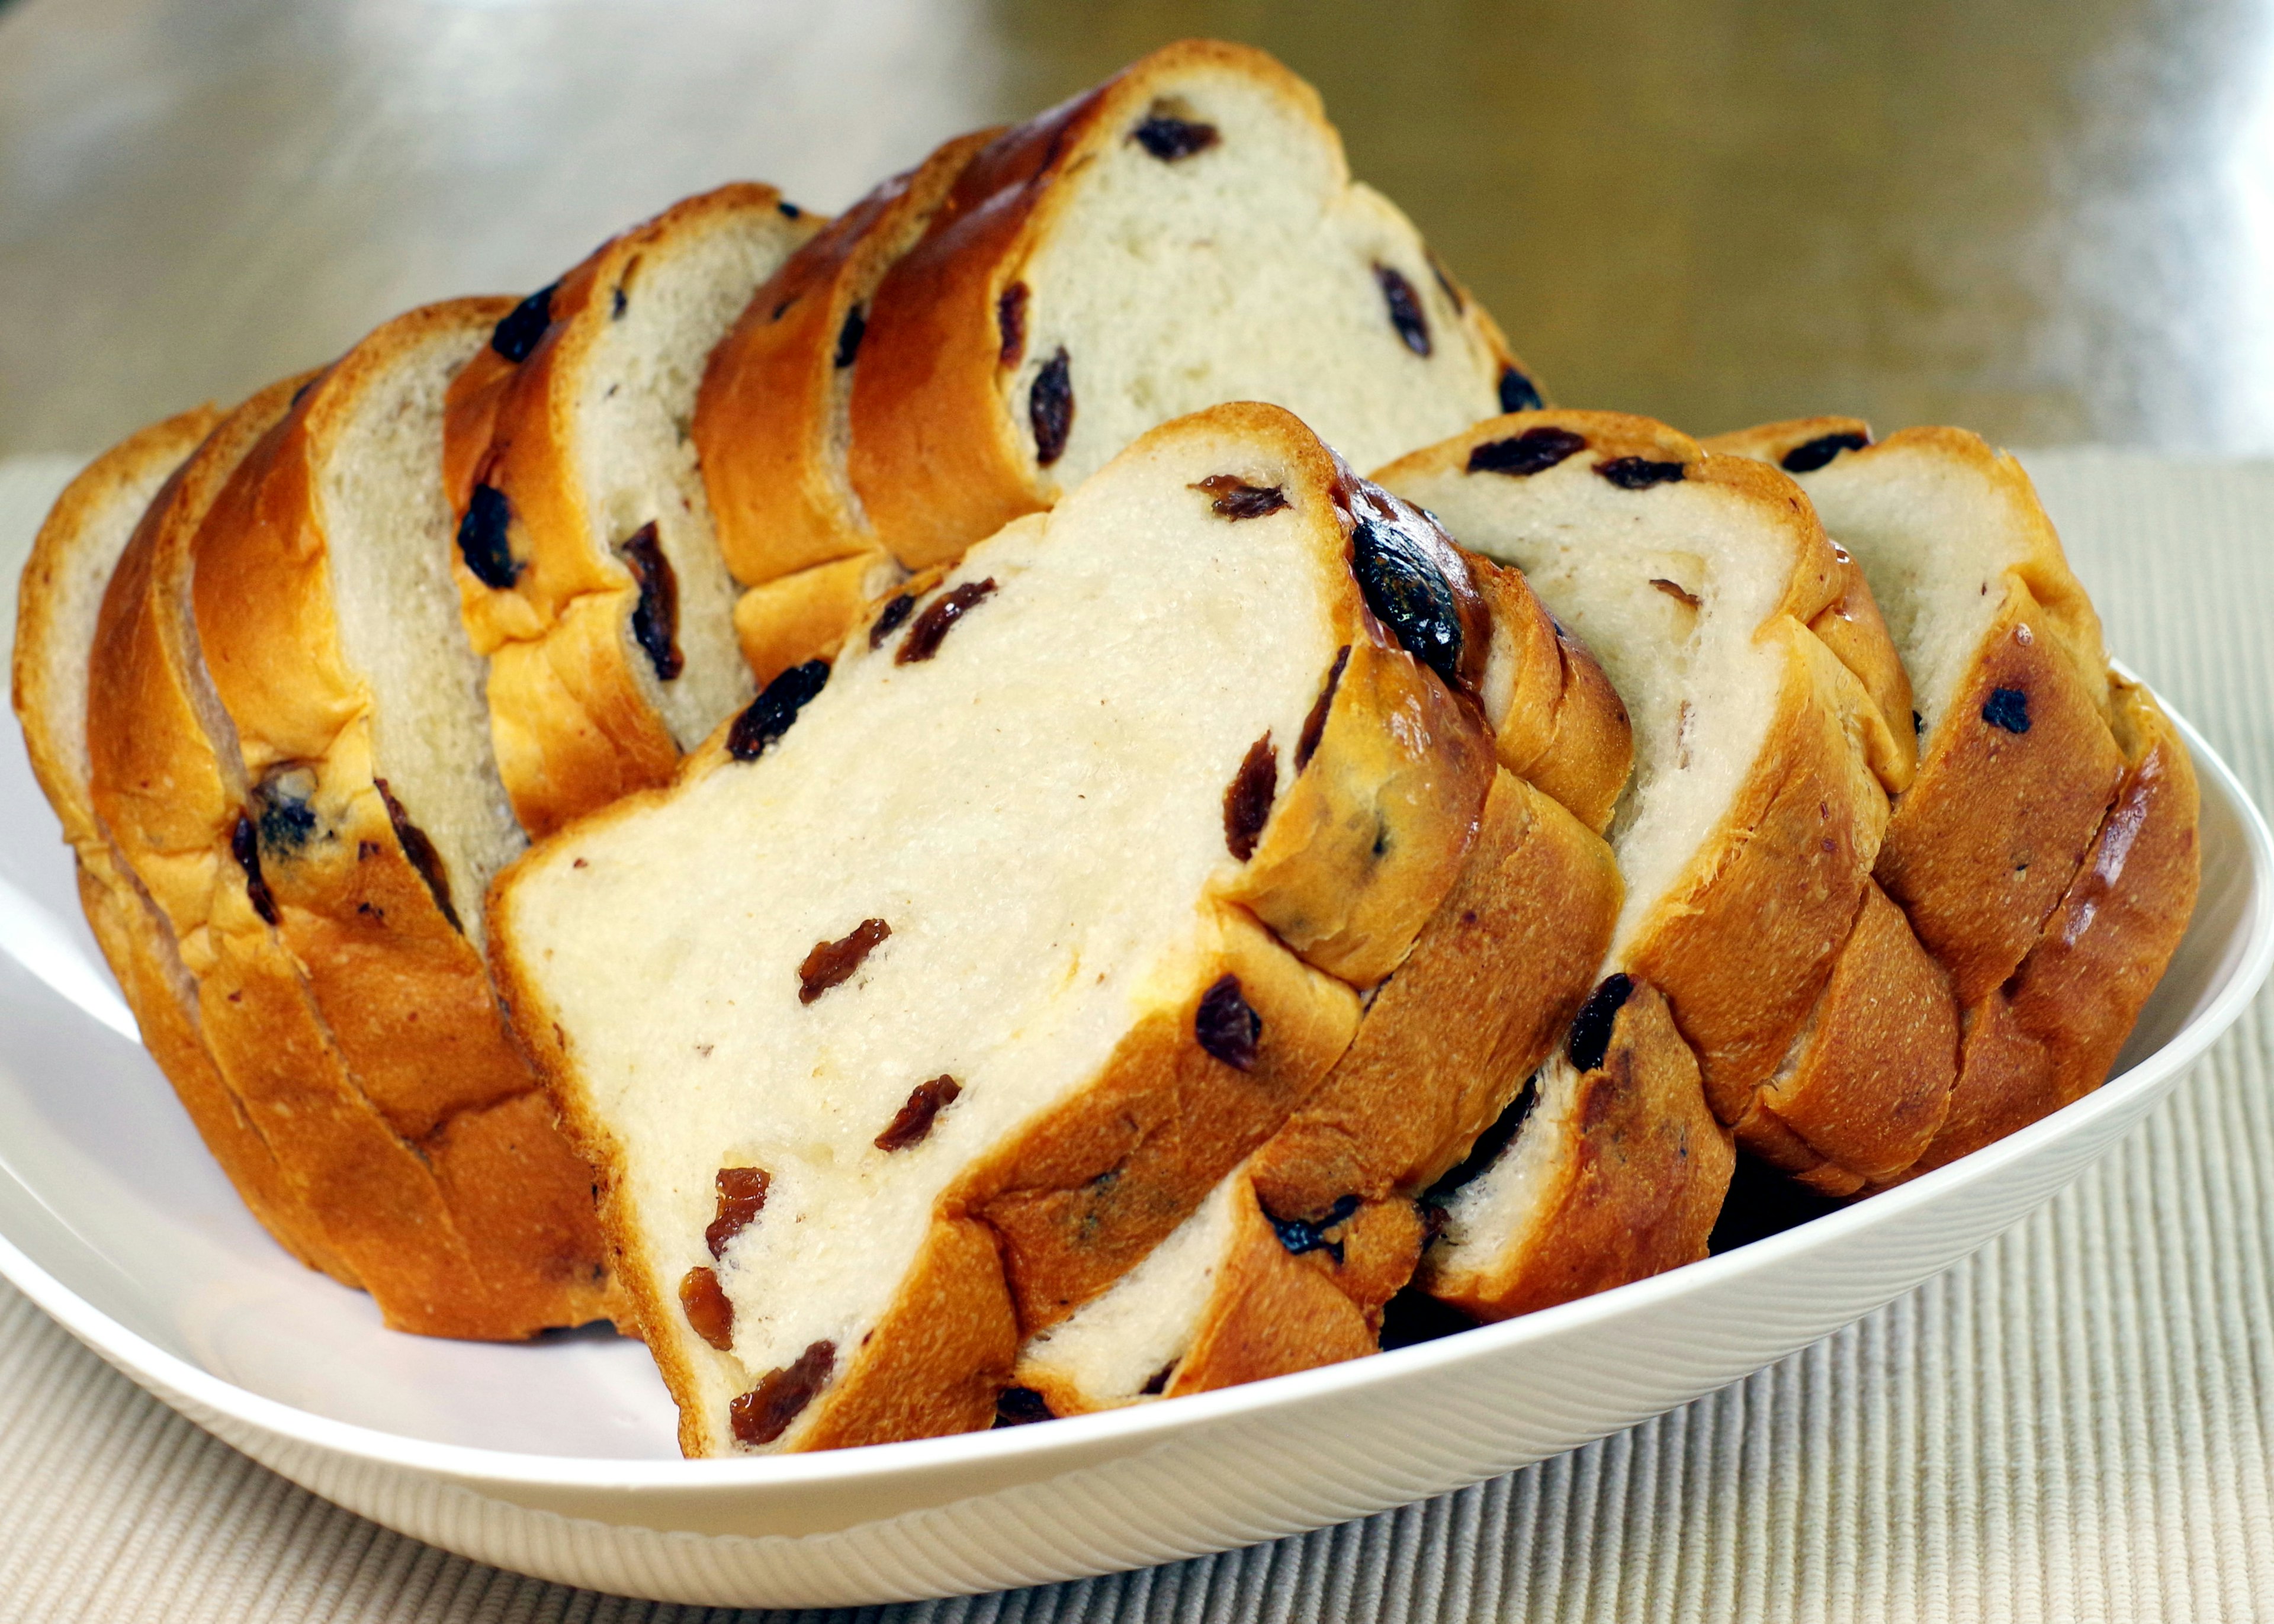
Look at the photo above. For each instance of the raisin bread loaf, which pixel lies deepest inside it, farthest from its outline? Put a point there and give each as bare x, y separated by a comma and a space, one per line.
589, 575
2052, 819
945, 983
57, 606
773, 424
442, 1183
1764, 762
1185, 233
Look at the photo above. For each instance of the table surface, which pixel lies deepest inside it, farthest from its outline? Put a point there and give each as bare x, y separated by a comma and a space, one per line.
2051, 223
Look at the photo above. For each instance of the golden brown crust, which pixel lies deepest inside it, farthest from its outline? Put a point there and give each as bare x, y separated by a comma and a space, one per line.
797, 617
2050, 1035
405, 995
172, 799
572, 726
1868, 1082
764, 423
1638, 1184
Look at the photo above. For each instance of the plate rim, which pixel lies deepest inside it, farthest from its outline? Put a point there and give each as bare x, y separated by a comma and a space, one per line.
177, 1380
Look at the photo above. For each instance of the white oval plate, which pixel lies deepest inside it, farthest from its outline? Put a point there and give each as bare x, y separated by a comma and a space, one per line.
557, 1459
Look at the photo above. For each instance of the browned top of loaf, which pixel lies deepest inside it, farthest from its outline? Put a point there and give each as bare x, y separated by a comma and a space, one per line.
763, 426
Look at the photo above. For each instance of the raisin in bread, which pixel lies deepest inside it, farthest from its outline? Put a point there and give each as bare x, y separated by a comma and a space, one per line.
589, 575
57, 606
301, 902
945, 983
773, 424
1185, 234
2053, 818
1764, 763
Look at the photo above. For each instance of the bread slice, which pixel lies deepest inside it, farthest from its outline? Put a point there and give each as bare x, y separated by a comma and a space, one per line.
1747, 834
905, 1030
57, 606
1185, 234
329, 626
773, 424
2028, 749
589, 575
459, 1213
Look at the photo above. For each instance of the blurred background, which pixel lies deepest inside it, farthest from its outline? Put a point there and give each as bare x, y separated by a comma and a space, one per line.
2051, 222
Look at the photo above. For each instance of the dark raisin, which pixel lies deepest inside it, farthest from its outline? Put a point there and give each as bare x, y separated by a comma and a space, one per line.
1404, 308
912, 1122
765, 1411
244, 845
1811, 455
1591, 1029
421, 852
1531, 452
707, 1307
617, 303
1157, 1383
848, 337
1010, 323
284, 810
1409, 594
2009, 709
1485, 1151
789, 210
1919, 725
768, 716
1314, 725
938, 618
1248, 801
1021, 1407
655, 617
889, 620
516, 336
741, 1198
1675, 590
1519, 393
1227, 1026
483, 541
1236, 499
1169, 139
1302, 1235
1434, 1219
830, 964
1634, 473
1049, 408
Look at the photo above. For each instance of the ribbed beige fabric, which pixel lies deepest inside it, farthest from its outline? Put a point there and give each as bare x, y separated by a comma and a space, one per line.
2077, 1425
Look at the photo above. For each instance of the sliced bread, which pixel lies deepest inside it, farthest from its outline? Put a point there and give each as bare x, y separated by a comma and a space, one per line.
2033, 760
430, 1205
589, 572
1185, 234
945, 983
773, 424
56, 608
1764, 762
